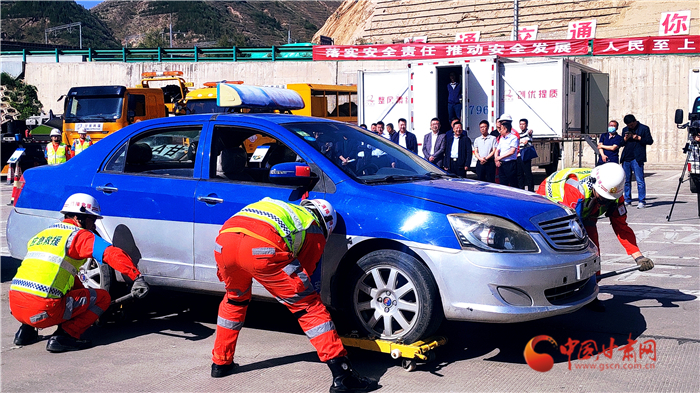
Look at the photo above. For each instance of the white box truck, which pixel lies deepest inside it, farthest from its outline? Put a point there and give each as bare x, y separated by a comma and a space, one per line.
560, 98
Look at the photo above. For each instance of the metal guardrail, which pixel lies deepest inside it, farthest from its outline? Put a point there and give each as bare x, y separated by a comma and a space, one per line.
134, 55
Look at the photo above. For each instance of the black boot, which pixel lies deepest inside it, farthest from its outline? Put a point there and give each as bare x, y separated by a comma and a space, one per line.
26, 335
345, 379
61, 341
218, 371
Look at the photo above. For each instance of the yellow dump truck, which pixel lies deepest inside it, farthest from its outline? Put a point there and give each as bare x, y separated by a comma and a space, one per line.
335, 102
101, 110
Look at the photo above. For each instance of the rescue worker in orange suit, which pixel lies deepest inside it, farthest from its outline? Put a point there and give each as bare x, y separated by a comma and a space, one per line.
56, 152
594, 193
80, 144
46, 291
279, 244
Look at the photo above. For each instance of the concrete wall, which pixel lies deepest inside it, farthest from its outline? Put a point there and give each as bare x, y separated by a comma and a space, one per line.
650, 87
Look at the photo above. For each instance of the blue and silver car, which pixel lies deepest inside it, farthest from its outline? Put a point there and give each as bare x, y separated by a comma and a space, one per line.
413, 245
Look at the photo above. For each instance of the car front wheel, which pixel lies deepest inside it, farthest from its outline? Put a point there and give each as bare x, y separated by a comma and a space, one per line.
95, 275
394, 297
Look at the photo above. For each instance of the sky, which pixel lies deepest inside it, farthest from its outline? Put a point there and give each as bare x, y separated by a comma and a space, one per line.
88, 4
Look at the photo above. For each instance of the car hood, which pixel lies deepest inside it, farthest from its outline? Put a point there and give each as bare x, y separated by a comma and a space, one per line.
473, 196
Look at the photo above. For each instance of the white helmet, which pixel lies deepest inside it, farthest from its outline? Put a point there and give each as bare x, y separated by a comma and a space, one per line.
55, 132
505, 117
82, 204
608, 180
82, 131
324, 212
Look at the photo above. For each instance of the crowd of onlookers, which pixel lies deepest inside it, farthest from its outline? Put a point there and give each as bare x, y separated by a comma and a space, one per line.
497, 153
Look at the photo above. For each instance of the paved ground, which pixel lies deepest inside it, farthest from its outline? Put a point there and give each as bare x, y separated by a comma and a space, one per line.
164, 345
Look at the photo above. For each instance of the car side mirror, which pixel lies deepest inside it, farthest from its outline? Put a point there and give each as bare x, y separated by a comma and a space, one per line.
130, 116
679, 116
293, 174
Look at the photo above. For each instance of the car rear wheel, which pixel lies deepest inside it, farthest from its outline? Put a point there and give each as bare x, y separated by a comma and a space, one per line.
95, 275
394, 297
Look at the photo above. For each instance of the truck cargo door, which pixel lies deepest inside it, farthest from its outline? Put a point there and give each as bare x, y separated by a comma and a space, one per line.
424, 91
597, 103
383, 95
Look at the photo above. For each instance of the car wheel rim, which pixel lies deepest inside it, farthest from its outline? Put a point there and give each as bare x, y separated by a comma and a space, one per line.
386, 301
90, 274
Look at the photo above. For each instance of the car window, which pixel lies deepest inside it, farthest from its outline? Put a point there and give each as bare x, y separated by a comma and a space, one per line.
364, 156
244, 154
163, 152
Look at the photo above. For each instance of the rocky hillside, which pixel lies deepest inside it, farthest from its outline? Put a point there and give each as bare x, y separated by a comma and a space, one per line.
390, 21
147, 23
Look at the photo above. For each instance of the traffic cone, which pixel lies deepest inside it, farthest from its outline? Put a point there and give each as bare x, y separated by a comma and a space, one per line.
15, 185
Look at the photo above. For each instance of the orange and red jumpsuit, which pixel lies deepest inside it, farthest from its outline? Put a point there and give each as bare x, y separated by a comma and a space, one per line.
80, 307
261, 253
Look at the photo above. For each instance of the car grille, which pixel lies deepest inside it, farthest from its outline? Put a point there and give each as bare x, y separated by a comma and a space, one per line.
564, 294
560, 234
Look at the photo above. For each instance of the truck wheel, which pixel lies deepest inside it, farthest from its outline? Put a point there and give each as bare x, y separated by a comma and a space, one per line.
394, 297
554, 165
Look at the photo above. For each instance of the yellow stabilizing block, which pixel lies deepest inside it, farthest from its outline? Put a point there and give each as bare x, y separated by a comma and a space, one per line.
417, 350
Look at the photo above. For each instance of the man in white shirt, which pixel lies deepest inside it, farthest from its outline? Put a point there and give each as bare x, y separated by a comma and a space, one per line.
485, 150
507, 152
405, 138
458, 151
434, 144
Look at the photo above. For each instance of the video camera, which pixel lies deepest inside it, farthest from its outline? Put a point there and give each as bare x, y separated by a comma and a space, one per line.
693, 124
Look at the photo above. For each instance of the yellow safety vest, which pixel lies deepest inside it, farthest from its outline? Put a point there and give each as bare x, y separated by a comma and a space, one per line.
555, 182
555, 191
80, 146
46, 270
290, 221
55, 157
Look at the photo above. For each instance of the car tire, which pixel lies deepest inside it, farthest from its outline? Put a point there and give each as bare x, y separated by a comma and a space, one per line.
393, 296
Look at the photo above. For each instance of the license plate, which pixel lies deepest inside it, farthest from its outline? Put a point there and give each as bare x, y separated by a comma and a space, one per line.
587, 269
8, 139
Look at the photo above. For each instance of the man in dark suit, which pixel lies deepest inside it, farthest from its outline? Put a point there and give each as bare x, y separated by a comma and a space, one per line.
458, 151
434, 144
404, 138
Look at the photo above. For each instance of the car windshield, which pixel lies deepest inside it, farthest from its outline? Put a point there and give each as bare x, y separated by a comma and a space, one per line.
93, 108
366, 157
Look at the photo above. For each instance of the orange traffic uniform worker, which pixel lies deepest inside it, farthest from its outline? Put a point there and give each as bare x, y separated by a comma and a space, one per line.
46, 291
56, 152
593, 193
279, 244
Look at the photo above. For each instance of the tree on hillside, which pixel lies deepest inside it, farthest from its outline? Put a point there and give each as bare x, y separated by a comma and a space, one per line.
154, 39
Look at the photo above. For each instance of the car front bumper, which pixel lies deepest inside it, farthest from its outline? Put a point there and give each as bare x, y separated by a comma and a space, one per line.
512, 287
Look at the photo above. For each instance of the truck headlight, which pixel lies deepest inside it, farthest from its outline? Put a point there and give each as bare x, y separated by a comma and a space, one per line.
490, 233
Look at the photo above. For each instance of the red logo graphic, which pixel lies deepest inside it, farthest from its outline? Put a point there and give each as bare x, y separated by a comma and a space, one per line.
541, 362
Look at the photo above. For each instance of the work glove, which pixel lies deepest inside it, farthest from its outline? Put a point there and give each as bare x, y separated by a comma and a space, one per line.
140, 288
644, 263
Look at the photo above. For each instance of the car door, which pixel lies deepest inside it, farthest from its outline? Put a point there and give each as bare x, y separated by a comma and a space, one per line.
148, 187
236, 174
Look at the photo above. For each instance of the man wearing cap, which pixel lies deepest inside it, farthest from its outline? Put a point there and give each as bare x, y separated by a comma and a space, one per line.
46, 291
506, 152
56, 152
82, 143
279, 244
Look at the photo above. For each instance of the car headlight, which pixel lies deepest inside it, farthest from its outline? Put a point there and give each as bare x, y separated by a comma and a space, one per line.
490, 233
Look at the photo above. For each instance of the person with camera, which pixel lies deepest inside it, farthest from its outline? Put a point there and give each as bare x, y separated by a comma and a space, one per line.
635, 138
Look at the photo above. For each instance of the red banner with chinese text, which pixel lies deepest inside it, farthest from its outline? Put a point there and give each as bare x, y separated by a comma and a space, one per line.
412, 51
647, 45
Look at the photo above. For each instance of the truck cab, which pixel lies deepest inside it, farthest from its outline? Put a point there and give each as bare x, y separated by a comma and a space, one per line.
101, 110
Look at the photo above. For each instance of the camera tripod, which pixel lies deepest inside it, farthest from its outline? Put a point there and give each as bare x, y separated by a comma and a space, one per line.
688, 150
